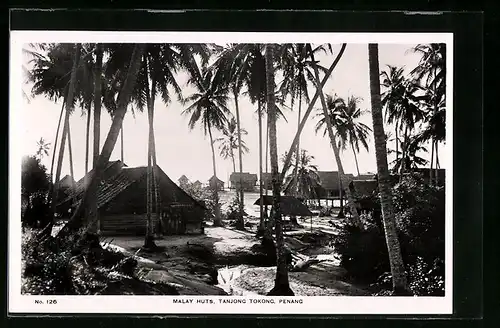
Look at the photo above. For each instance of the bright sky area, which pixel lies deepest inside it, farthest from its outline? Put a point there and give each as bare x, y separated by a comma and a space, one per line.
181, 151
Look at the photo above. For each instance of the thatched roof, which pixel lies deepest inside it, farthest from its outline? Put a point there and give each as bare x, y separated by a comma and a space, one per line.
213, 178
363, 188
66, 182
329, 180
289, 205
117, 182
245, 176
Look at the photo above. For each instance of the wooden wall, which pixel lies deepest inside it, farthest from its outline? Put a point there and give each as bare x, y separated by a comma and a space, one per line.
125, 224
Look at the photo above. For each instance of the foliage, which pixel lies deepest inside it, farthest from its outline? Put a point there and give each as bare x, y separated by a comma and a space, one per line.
78, 265
304, 178
420, 214
202, 194
35, 185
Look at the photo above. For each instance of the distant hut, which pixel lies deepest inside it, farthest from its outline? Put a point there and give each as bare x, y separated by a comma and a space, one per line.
197, 184
267, 180
329, 185
289, 205
183, 181
216, 183
122, 203
248, 181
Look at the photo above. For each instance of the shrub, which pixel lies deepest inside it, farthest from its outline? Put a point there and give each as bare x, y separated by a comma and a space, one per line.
35, 185
419, 213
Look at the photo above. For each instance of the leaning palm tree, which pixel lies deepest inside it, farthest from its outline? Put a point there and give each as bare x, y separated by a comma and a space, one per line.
229, 141
208, 106
75, 223
399, 282
281, 284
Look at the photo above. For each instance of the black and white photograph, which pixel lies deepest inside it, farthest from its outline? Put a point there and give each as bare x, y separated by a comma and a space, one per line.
230, 172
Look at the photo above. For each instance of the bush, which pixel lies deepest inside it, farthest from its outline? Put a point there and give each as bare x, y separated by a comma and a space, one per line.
420, 219
35, 185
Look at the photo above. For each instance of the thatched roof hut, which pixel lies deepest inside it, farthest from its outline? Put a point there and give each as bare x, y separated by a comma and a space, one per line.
289, 205
330, 184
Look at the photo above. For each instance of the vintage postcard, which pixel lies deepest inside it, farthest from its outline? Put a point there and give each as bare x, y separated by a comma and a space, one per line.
230, 173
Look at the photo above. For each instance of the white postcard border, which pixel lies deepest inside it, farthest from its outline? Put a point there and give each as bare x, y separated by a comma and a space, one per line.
18, 303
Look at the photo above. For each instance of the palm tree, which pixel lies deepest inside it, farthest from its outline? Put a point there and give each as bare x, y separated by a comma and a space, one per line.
208, 106
293, 146
305, 180
229, 141
401, 104
43, 148
400, 286
431, 73
281, 284
343, 177
123, 100
69, 100
297, 74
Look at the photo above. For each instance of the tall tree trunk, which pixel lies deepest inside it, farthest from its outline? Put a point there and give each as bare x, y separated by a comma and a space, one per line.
70, 150
436, 175
336, 152
297, 153
233, 160
149, 238
431, 170
260, 230
267, 226
217, 214
87, 140
341, 200
239, 223
403, 167
397, 141
55, 143
288, 158
121, 144
51, 185
400, 286
156, 173
281, 284
69, 107
355, 158
123, 100
92, 212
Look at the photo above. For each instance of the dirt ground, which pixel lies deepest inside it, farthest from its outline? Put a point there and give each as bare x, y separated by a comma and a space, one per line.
226, 260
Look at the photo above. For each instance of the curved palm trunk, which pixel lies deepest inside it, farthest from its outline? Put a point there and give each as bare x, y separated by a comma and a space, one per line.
121, 144
260, 230
70, 150
233, 160
297, 152
69, 106
217, 219
397, 141
336, 152
123, 100
149, 238
355, 158
400, 286
431, 171
87, 140
55, 143
281, 284
239, 224
288, 158
92, 212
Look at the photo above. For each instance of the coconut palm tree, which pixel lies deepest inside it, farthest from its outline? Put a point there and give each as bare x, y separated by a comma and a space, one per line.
229, 141
208, 106
319, 87
333, 143
431, 74
43, 148
401, 104
305, 180
123, 101
294, 62
281, 284
400, 285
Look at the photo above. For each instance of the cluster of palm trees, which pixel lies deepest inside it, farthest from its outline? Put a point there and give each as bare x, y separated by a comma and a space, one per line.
124, 77
415, 104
